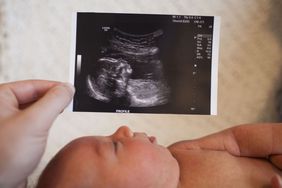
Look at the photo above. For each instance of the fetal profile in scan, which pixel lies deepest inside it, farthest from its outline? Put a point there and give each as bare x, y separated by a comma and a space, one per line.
129, 71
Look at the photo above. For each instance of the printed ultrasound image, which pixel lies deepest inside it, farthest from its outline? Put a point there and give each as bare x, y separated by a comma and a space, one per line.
140, 63
129, 71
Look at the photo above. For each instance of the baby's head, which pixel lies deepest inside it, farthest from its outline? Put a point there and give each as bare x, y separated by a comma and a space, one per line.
122, 160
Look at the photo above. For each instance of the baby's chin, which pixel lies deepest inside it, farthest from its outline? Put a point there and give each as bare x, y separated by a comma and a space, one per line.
172, 166
171, 179
166, 168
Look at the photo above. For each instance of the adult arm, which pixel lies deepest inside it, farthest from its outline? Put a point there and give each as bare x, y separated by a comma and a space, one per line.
251, 140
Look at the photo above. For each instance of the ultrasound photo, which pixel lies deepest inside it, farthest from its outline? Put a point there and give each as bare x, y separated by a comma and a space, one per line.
145, 63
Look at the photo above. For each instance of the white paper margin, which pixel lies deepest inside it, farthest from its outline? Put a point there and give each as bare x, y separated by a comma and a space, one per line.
214, 65
72, 55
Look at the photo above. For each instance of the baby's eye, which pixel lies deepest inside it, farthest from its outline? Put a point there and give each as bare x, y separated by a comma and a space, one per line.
115, 146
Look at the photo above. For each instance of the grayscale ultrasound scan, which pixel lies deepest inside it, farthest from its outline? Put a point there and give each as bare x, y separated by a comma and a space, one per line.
145, 63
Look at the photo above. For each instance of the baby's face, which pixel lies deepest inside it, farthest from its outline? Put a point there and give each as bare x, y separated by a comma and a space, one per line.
124, 159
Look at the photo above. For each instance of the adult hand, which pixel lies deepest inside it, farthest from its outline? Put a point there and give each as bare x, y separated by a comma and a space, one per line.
27, 111
252, 140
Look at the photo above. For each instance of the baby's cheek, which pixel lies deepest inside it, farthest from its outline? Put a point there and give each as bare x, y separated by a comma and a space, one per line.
151, 157
149, 165
148, 151
143, 174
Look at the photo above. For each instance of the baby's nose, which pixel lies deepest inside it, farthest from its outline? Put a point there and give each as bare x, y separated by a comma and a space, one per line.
123, 131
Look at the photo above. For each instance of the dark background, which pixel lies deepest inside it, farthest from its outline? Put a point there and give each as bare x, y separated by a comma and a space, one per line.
177, 53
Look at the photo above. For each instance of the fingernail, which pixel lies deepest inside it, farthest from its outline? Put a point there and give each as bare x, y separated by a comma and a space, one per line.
69, 87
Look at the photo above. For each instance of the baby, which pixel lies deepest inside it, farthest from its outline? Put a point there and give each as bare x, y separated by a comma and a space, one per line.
244, 156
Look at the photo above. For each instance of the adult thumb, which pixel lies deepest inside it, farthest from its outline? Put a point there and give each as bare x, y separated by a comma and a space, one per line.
41, 114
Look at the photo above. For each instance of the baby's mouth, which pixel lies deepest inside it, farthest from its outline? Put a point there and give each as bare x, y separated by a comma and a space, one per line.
153, 139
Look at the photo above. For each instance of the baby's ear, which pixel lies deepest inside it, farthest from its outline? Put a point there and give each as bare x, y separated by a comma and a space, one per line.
276, 182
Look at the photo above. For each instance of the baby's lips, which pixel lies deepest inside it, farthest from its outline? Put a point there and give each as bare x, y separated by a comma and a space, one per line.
153, 139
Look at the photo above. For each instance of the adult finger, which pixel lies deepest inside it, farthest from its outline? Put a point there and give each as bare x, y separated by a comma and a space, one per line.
221, 141
43, 112
22, 92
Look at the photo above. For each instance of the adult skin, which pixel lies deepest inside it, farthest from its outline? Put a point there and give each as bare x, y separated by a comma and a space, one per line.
27, 111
